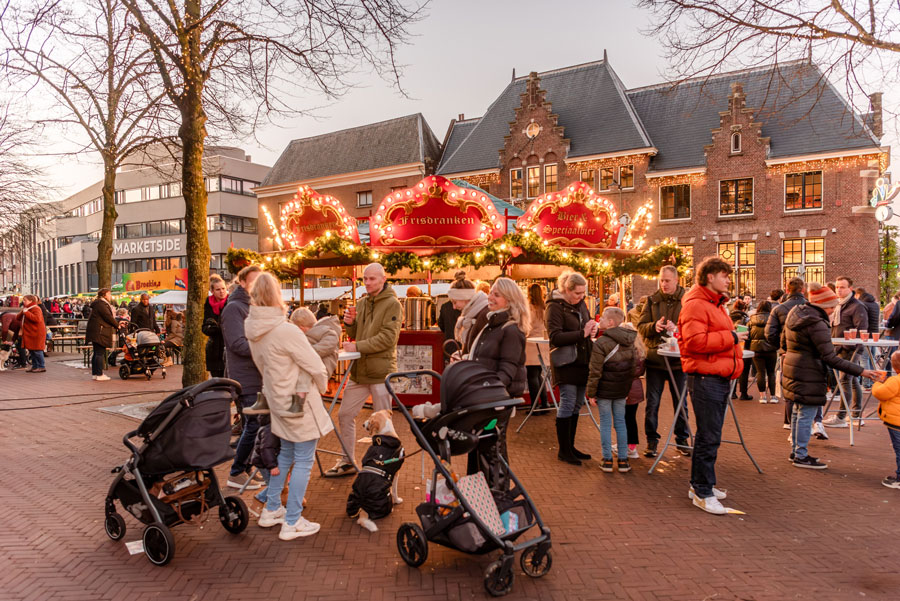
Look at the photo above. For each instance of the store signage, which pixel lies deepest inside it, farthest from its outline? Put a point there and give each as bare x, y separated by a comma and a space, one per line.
167, 279
768, 252
309, 215
149, 246
574, 217
436, 212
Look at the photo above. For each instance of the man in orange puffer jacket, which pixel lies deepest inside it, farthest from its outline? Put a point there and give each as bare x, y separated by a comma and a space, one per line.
889, 411
711, 356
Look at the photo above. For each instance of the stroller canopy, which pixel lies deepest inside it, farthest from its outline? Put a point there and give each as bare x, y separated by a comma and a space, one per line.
469, 383
143, 337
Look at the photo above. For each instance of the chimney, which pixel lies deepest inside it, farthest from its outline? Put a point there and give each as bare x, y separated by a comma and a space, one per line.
462, 117
876, 123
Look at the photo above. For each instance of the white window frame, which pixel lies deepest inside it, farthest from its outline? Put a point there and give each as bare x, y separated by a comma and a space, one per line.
359, 205
719, 198
521, 181
740, 142
788, 211
803, 263
659, 216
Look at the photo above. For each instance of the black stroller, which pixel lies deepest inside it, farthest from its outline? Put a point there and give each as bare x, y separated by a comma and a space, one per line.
141, 354
475, 410
169, 479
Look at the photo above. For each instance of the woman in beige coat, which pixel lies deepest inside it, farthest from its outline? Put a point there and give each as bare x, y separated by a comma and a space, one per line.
533, 352
288, 364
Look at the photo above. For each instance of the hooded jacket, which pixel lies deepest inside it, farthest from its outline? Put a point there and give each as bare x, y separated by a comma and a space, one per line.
888, 395
873, 310
284, 357
472, 320
657, 306
709, 344
565, 326
611, 378
325, 338
809, 349
775, 325
372, 487
757, 336
376, 331
500, 347
239, 363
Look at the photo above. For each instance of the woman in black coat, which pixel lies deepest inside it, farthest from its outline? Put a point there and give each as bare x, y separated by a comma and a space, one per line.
212, 313
739, 317
100, 331
569, 328
809, 350
765, 355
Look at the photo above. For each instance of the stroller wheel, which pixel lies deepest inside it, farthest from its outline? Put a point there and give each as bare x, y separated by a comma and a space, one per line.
124, 372
115, 526
159, 545
412, 544
534, 568
234, 515
495, 581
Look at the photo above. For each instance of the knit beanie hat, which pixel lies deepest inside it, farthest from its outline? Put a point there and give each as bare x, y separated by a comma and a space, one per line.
822, 296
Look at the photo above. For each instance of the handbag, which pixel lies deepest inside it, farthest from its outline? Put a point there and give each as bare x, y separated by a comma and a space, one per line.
563, 355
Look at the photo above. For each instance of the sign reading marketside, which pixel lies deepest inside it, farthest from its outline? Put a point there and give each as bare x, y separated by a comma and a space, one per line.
152, 245
167, 279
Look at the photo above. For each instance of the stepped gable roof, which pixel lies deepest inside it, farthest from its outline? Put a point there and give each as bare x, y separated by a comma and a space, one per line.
590, 101
798, 114
398, 141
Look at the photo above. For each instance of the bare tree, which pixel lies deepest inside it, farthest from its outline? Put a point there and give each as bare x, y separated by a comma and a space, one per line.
851, 41
226, 64
102, 80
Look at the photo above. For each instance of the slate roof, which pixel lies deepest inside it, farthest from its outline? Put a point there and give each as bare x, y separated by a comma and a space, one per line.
592, 107
601, 117
798, 115
394, 142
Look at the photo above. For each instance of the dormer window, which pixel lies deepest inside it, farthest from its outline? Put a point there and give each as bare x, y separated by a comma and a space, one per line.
735, 142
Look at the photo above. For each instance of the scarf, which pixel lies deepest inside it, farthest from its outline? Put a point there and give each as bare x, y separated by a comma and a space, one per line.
217, 304
836, 316
467, 317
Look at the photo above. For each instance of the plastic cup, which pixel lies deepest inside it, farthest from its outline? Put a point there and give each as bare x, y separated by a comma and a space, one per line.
863, 334
850, 334
883, 375
876, 336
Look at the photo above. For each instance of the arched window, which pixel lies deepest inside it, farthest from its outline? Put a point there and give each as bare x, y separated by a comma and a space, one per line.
736, 142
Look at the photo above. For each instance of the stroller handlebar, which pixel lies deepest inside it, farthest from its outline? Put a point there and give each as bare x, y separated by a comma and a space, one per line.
202, 387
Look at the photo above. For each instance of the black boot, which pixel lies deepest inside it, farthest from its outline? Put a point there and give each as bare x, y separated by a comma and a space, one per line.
564, 441
573, 427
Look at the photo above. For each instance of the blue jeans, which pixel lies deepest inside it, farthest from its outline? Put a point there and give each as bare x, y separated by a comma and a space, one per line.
300, 455
709, 396
656, 382
801, 428
37, 360
895, 442
263, 495
571, 400
248, 437
848, 381
613, 412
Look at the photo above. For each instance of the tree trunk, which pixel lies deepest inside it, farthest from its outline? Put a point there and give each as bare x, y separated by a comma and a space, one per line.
193, 134
105, 247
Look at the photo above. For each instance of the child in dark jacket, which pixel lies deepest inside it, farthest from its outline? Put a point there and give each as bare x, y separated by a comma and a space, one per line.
635, 394
609, 382
265, 453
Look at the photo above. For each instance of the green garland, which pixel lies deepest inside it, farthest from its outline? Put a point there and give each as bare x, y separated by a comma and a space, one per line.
287, 264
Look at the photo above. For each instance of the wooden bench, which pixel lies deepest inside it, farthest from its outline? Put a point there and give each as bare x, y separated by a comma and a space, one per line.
74, 341
87, 349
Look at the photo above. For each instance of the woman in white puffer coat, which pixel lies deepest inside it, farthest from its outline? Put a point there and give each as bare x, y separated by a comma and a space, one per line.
288, 364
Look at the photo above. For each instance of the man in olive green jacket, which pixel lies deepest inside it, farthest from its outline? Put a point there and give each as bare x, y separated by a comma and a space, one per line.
375, 328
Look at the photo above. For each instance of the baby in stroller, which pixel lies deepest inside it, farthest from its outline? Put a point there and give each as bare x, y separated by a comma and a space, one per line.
140, 354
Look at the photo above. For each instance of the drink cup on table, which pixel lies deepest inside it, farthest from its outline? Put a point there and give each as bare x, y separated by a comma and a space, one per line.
876, 336
850, 334
863, 335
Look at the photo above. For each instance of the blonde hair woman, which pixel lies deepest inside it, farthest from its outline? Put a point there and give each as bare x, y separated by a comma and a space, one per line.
284, 358
569, 328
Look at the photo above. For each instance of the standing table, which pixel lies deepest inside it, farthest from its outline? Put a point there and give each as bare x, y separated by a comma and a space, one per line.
546, 382
350, 359
682, 405
861, 346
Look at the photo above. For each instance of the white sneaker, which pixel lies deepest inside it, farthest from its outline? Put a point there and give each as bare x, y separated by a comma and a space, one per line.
790, 439
834, 422
710, 505
763, 399
786, 426
819, 431
719, 494
102, 378
773, 400
633, 453
303, 527
267, 518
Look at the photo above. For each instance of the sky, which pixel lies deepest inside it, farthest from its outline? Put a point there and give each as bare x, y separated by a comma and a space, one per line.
461, 57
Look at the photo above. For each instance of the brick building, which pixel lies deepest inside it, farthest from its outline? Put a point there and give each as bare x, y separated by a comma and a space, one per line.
358, 166
769, 169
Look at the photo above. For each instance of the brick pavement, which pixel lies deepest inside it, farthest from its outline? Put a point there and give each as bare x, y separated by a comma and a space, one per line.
806, 535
